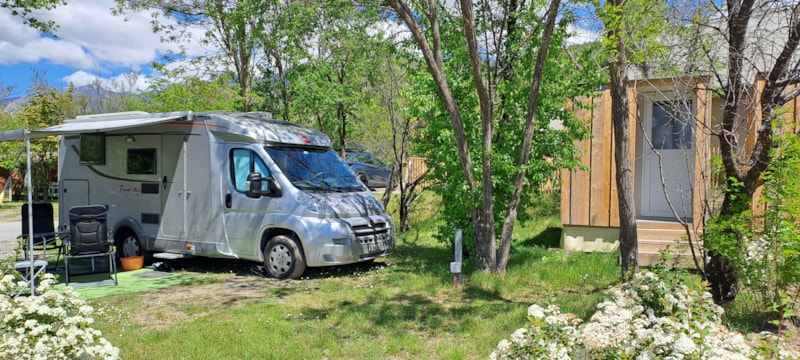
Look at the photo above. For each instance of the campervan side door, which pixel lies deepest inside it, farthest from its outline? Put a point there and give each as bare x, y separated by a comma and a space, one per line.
185, 179
173, 186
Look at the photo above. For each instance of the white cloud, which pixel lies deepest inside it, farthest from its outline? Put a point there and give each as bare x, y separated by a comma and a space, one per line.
111, 40
581, 35
80, 78
129, 82
89, 38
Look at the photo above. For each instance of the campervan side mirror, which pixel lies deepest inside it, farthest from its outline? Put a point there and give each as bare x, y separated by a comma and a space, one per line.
273, 189
254, 185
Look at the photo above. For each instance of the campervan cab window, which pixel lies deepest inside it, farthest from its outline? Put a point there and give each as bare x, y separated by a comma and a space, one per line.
142, 161
315, 169
244, 162
93, 149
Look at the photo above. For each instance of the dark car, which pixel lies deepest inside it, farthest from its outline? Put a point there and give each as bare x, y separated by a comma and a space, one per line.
371, 171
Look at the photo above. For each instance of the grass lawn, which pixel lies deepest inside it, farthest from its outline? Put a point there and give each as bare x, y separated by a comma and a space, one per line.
401, 307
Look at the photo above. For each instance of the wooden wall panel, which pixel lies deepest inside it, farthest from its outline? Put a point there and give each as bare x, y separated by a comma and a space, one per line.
587, 197
566, 199
614, 208
601, 167
702, 168
581, 186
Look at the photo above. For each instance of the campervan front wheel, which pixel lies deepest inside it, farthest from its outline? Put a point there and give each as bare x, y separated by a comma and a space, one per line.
283, 258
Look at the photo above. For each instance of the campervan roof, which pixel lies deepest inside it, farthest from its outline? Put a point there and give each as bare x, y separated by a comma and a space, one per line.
253, 126
261, 127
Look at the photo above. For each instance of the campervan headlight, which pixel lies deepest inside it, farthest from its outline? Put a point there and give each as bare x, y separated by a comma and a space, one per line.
314, 204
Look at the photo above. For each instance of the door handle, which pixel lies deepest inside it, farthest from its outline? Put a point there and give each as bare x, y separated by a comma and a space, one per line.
164, 182
228, 201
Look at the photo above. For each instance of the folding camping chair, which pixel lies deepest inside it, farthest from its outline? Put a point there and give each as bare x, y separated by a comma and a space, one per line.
88, 238
45, 236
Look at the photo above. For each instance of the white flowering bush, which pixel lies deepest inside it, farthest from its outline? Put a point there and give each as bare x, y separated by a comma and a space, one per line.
48, 326
643, 319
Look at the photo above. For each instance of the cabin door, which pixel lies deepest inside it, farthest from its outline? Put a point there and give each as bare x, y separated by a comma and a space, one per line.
668, 159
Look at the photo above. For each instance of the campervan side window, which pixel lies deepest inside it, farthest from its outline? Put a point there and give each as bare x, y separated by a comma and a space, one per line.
93, 149
142, 161
243, 162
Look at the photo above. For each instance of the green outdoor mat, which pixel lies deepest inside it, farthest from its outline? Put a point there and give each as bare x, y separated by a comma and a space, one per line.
128, 282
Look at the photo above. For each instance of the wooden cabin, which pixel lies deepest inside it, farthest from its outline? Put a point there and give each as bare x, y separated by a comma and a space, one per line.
674, 185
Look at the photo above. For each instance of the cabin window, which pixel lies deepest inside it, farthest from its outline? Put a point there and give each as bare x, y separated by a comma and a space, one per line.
673, 125
244, 162
93, 149
141, 161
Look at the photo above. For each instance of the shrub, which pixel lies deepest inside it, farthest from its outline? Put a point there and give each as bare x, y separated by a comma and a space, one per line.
49, 326
644, 319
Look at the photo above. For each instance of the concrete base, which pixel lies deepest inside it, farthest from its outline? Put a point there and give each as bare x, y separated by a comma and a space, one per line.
584, 238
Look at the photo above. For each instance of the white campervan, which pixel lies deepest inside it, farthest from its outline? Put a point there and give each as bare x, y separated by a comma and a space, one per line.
220, 184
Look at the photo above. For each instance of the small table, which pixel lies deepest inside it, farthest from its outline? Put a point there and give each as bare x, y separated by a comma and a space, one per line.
30, 271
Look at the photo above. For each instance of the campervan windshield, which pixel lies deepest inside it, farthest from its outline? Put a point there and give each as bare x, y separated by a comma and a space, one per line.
314, 169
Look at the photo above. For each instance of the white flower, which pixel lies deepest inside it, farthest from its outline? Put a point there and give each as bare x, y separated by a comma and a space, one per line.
504, 346
623, 325
536, 311
519, 337
684, 345
50, 325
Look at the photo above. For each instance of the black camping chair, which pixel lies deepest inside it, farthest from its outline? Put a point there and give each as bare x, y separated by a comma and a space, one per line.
44, 235
88, 238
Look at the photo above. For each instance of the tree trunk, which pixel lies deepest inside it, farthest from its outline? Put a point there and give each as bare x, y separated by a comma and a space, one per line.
342, 116
483, 216
720, 273
628, 241
390, 185
530, 124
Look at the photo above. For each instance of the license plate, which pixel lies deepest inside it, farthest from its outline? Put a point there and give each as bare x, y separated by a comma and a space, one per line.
374, 247
378, 245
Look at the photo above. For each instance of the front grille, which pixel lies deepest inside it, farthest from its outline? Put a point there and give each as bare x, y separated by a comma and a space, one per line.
366, 234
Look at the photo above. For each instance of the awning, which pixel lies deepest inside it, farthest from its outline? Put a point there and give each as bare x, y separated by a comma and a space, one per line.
94, 123
81, 124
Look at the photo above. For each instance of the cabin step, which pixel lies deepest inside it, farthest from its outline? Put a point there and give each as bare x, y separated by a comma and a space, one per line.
648, 258
168, 256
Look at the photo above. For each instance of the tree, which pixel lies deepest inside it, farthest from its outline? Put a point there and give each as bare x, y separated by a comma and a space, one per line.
395, 95
230, 28
618, 67
735, 45
46, 106
625, 22
286, 45
760, 38
486, 76
9, 151
186, 94
333, 85
25, 9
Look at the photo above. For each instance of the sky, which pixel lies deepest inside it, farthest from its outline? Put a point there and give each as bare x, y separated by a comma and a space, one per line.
92, 44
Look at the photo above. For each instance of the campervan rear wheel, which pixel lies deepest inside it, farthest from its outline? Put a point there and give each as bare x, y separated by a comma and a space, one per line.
128, 244
283, 258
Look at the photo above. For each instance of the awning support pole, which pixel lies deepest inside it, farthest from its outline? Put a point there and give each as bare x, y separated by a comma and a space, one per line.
32, 270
